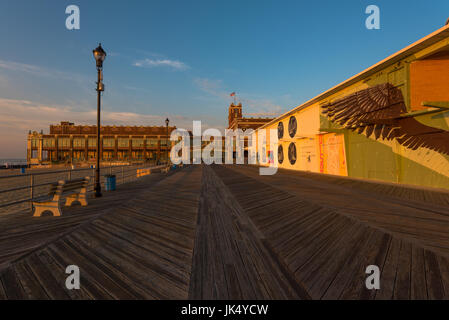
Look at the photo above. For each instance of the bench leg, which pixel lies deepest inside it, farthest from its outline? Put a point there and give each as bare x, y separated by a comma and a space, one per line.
39, 210
73, 198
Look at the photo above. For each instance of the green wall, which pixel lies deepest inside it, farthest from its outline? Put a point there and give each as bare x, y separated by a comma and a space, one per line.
369, 159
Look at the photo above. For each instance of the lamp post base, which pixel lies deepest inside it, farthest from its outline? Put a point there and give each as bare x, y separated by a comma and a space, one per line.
98, 191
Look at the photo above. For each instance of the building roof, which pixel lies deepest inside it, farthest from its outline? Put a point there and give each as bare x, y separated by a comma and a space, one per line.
419, 45
70, 128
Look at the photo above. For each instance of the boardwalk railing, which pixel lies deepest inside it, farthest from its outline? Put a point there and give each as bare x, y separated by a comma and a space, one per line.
18, 191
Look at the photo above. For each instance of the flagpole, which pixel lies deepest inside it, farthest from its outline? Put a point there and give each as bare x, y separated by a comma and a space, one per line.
234, 96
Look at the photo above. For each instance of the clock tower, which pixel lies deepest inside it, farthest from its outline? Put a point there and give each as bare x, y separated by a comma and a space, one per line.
235, 112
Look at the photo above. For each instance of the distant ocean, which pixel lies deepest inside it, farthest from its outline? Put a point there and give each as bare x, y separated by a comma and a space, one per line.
12, 161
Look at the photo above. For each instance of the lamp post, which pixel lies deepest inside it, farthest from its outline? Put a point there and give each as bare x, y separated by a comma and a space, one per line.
166, 124
99, 55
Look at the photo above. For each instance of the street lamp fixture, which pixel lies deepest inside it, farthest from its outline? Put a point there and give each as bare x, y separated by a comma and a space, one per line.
99, 55
167, 121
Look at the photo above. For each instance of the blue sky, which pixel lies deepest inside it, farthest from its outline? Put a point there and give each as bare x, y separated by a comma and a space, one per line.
181, 59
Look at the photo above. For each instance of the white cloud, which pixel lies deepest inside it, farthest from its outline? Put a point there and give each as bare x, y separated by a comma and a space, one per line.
151, 63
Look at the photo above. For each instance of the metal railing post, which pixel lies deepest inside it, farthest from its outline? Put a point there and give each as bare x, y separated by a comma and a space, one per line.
31, 190
93, 178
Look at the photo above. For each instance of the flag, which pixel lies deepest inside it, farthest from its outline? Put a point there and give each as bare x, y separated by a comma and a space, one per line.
232, 94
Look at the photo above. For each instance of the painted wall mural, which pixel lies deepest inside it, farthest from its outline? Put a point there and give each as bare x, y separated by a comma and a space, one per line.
381, 110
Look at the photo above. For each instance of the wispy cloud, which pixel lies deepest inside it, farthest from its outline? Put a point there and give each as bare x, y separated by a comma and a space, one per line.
253, 105
16, 66
41, 71
152, 63
212, 87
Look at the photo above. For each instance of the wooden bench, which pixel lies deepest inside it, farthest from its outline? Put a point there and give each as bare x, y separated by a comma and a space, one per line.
59, 189
165, 170
143, 172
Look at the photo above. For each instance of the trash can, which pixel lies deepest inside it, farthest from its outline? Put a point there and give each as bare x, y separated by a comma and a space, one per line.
110, 182
22, 170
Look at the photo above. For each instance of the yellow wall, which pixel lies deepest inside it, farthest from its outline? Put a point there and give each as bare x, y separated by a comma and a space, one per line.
358, 156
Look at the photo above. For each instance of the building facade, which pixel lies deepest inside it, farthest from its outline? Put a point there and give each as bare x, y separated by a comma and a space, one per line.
70, 143
237, 121
390, 122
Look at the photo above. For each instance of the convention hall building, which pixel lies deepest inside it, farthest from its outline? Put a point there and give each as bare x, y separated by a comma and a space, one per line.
70, 143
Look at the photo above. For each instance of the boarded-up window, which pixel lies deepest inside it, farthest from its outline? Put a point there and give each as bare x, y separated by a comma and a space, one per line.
429, 80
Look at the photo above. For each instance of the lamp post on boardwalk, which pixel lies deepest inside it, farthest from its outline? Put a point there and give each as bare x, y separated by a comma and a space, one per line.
99, 55
166, 124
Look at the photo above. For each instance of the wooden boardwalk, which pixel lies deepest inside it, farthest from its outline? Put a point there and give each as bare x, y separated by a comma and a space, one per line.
224, 232
139, 246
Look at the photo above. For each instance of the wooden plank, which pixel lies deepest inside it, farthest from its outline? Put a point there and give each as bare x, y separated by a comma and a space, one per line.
389, 271
352, 272
114, 252
12, 285
308, 237
162, 249
105, 283
163, 265
303, 263
44, 275
88, 287
3, 295
58, 268
355, 288
402, 290
435, 289
29, 282
331, 260
443, 263
232, 283
418, 281
231, 239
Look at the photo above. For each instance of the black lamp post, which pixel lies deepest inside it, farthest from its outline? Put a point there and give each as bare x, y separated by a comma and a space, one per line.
166, 124
99, 55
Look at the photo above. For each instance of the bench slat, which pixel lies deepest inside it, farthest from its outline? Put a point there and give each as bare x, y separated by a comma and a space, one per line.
69, 185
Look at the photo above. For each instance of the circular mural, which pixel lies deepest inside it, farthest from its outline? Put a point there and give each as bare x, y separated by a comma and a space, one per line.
292, 126
280, 154
280, 130
292, 153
